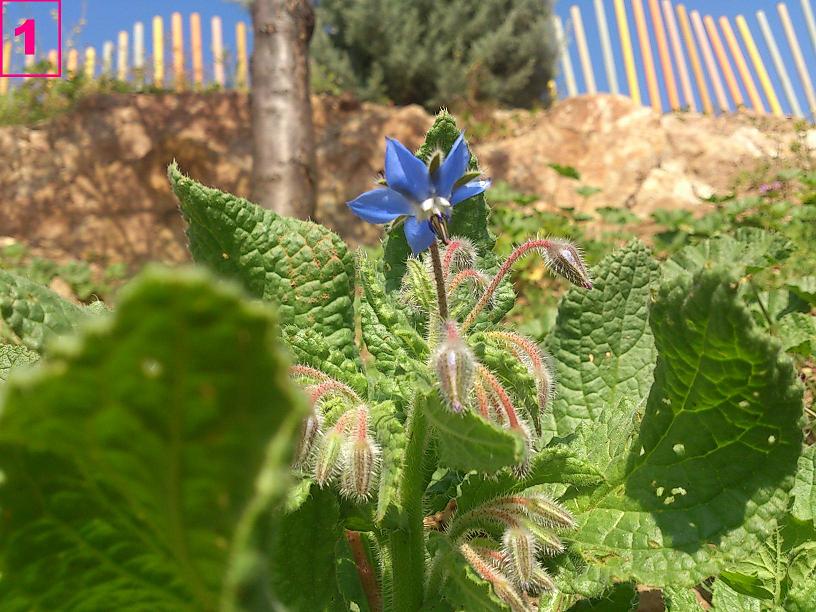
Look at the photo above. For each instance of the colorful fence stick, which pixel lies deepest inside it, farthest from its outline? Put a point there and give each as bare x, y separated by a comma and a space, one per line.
158, 51
722, 58
606, 47
90, 63
242, 66
138, 53
759, 66
197, 49
742, 66
53, 60
566, 60
177, 33
107, 58
4, 83
218, 51
781, 69
583, 49
122, 57
627, 52
810, 21
708, 57
648, 59
694, 58
679, 58
798, 58
663, 54
73, 63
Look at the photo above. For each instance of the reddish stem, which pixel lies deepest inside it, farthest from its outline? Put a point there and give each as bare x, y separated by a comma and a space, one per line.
501, 395
368, 579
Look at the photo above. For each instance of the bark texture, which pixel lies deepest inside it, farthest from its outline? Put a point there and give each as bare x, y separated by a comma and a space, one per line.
283, 154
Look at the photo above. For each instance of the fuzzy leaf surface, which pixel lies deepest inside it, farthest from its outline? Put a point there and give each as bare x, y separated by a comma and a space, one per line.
302, 267
130, 453
804, 486
12, 356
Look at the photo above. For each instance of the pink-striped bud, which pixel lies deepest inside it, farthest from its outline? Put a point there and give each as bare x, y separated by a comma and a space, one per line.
454, 364
310, 432
361, 460
521, 548
563, 258
328, 457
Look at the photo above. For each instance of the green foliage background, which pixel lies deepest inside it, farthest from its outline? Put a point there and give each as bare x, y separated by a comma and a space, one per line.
436, 53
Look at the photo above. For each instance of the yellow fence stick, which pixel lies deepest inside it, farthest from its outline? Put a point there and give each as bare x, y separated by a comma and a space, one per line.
759, 66
626, 50
139, 53
158, 51
177, 33
107, 58
73, 63
122, 56
242, 67
218, 51
648, 59
722, 58
583, 49
711, 65
742, 66
197, 49
694, 58
606, 47
781, 69
53, 60
798, 58
663, 54
90, 63
679, 58
4, 82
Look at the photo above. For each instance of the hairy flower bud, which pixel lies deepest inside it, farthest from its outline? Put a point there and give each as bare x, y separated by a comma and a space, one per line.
458, 255
361, 460
563, 258
521, 548
542, 581
454, 364
328, 457
309, 434
501, 585
546, 511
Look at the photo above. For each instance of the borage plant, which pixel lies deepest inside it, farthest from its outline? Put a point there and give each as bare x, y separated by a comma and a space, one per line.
433, 458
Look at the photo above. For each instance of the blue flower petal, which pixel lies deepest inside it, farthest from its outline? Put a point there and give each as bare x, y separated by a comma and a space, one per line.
380, 205
419, 234
405, 172
468, 190
452, 169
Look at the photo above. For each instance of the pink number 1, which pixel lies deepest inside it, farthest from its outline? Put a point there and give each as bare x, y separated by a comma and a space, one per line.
26, 29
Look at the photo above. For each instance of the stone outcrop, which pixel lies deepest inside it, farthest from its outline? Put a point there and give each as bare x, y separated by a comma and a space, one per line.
91, 184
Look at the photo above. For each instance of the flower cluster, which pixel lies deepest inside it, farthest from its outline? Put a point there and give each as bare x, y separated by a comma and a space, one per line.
346, 450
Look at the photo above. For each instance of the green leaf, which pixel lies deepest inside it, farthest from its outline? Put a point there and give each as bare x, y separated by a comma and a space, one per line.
801, 595
130, 453
390, 432
469, 442
804, 486
566, 171
746, 585
300, 266
12, 356
726, 599
797, 332
748, 251
717, 448
679, 599
804, 287
32, 312
602, 346
469, 220
622, 597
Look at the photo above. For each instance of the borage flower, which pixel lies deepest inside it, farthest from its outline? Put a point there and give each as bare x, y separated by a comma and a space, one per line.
425, 194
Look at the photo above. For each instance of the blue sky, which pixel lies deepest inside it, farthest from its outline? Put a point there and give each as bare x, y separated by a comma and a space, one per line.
104, 18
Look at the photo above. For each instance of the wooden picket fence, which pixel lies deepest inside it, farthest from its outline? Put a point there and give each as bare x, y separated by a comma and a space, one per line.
127, 58
711, 48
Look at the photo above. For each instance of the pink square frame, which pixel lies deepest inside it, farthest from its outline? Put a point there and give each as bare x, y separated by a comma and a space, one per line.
51, 75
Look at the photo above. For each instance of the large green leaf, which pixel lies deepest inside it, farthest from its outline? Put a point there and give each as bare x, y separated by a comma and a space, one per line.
469, 220
710, 471
302, 267
33, 313
469, 442
804, 487
130, 453
12, 356
602, 346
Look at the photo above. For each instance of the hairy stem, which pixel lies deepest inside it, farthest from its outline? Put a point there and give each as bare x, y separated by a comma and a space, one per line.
439, 277
368, 579
408, 542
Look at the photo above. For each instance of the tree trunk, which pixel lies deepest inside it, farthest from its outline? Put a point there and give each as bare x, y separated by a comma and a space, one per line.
284, 178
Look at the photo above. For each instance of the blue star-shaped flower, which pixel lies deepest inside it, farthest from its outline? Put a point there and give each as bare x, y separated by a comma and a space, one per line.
425, 197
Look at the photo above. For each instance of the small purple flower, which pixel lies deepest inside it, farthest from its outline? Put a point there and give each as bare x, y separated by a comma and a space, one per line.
766, 188
425, 194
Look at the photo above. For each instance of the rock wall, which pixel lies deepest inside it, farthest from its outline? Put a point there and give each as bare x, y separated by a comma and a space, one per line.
91, 184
